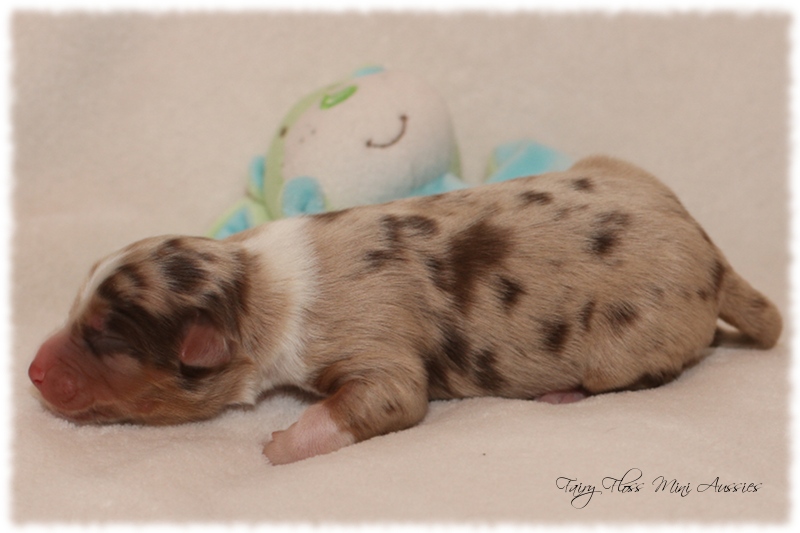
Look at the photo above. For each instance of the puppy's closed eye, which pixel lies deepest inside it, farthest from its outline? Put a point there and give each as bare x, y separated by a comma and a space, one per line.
106, 343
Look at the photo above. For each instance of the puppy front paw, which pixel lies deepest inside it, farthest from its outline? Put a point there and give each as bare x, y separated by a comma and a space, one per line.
278, 451
314, 434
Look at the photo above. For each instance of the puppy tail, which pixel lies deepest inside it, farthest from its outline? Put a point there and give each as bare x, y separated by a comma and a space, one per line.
749, 311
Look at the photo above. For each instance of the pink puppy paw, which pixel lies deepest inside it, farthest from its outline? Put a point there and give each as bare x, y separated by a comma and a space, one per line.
314, 434
279, 450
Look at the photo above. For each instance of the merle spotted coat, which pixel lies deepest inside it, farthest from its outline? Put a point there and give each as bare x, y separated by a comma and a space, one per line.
581, 282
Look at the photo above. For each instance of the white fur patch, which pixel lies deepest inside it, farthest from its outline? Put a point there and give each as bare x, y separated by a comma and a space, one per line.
286, 250
103, 270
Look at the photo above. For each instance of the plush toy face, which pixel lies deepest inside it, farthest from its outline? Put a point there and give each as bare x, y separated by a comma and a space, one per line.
366, 140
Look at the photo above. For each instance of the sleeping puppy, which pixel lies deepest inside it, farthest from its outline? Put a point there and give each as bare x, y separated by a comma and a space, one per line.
552, 287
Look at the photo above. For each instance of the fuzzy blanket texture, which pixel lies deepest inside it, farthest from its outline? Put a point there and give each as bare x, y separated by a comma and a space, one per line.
131, 125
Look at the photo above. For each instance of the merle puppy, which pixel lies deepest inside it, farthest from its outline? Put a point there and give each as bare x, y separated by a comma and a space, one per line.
551, 287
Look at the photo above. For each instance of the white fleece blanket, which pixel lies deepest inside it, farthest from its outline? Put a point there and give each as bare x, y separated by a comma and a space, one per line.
129, 125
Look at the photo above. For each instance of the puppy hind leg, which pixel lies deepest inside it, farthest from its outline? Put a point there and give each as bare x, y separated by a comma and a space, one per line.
657, 375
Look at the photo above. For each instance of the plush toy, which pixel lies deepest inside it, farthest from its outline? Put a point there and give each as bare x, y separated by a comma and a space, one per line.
524, 158
376, 136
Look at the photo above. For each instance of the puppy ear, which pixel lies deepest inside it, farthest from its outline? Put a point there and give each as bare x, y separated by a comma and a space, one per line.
203, 346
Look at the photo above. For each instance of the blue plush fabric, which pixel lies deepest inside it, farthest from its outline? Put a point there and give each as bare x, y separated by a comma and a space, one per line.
236, 222
366, 71
255, 185
302, 196
444, 183
525, 158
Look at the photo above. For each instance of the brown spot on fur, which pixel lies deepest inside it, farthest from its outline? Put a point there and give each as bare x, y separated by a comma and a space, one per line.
418, 225
583, 185
509, 292
182, 264
455, 348
229, 301
184, 273
169, 247
378, 259
396, 227
438, 382
650, 380
109, 289
554, 335
621, 315
486, 373
535, 197
608, 228
436, 273
152, 338
390, 225
451, 355
395, 230
207, 257
475, 253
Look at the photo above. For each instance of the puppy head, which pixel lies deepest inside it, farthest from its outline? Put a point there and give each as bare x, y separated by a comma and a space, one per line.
153, 336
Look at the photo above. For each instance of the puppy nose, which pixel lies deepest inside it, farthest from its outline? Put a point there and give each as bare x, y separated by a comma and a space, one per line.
60, 386
36, 373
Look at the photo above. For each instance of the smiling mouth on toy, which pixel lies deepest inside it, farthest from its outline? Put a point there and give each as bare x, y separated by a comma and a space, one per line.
403, 122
